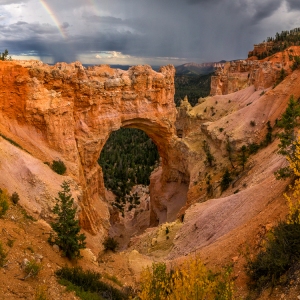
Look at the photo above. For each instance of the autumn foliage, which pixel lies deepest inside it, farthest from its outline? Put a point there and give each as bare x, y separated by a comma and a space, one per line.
282, 247
191, 280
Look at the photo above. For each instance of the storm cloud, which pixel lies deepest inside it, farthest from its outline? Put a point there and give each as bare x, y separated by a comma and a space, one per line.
174, 31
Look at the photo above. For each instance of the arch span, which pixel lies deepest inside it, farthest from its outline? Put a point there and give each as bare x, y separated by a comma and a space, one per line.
75, 109
150, 108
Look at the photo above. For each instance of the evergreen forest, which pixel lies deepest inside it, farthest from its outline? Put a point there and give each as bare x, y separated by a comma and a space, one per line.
192, 86
127, 159
282, 41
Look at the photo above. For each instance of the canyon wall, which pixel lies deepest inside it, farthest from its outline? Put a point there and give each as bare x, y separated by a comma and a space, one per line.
72, 110
237, 75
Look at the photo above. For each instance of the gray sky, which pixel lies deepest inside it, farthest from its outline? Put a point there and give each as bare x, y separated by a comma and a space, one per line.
155, 32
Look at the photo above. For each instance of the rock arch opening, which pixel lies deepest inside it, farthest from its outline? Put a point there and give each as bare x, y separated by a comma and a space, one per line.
127, 160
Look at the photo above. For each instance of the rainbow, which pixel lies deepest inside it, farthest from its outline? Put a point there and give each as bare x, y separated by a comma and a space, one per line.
54, 18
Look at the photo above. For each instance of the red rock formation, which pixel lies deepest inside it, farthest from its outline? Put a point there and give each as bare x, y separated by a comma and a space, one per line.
261, 48
237, 75
74, 110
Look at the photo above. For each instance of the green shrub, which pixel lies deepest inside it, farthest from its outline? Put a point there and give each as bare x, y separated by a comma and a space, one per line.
3, 256
225, 182
253, 148
86, 279
32, 269
242, 157
167, 230
296, 63
26, 215
110, 244
113, 279
15, 198
59, 167
4, 197
282, 251
80, 293
209, 157
4, 55
87, 284
282, 75
10, 243
12, 142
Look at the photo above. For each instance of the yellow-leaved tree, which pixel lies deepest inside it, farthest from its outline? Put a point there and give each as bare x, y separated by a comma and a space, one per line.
189, 281
282, 248
294, 199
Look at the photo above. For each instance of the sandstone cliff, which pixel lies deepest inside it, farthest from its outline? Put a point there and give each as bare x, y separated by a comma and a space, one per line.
68, 112
237, 75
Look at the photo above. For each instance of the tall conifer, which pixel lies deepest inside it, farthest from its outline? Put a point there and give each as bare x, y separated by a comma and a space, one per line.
66, 227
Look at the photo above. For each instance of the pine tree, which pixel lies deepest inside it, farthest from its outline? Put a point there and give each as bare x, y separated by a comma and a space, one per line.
66, 227
230, 153
226, 179
268, 139
242, 157
288, 137
4, 55
209, 157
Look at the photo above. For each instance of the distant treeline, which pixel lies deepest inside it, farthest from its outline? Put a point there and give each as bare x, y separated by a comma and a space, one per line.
193, 86
281, 41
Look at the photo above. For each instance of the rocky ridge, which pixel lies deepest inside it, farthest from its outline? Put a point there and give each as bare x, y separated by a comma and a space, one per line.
237, 75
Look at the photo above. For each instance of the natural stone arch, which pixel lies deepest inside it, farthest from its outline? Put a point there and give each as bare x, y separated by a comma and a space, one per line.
74, 110
139, 98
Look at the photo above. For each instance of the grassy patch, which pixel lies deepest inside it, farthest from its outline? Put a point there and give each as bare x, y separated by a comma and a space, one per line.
79, 291
113, 279
4, 202
3, 255
26, 216
13, 142
87, 283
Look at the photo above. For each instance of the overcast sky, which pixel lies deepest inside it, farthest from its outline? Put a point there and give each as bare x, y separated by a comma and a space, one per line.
155, 32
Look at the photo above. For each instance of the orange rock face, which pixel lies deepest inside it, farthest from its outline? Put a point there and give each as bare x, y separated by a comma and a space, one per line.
237, 75
73, 110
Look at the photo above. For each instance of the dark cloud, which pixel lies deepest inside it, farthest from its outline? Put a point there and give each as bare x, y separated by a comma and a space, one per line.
198, 30
293, 4
266, 8
27, 30
102, 19
204, 2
